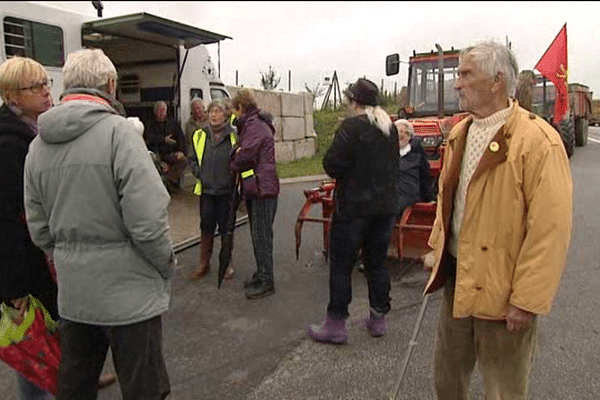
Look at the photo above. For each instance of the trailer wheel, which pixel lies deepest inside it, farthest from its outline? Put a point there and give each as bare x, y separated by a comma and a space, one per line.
581, 131
567, 134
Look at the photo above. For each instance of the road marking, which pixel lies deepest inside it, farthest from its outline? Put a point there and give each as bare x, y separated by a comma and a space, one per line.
594, 140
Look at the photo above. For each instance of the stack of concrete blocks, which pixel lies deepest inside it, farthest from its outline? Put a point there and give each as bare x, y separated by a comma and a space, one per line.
295, 136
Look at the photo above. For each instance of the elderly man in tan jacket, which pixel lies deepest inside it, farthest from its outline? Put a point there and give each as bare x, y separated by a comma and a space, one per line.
501, 232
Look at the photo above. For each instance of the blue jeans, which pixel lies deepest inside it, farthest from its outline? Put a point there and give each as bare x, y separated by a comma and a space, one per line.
28, 391
346, 237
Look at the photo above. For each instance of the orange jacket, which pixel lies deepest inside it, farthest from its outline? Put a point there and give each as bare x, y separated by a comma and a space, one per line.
517, 223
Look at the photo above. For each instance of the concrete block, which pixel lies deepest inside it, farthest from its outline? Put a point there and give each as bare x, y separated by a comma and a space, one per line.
308, 104
310, 126
304, 148
292, 104
293, 128
233, 90
284, 151
266, 100
278, 128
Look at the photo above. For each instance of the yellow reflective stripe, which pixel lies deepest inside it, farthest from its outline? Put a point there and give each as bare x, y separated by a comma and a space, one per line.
247, 174
199, 139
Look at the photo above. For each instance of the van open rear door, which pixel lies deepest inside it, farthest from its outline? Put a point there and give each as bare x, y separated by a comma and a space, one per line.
144, 44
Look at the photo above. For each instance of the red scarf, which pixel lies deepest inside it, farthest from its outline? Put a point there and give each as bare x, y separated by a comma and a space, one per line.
85, 97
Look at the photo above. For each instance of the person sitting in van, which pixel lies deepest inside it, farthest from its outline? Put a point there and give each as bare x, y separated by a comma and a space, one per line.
164, 137
198, 119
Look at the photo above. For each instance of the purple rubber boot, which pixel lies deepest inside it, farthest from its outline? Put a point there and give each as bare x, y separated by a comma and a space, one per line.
376, 324
329, 331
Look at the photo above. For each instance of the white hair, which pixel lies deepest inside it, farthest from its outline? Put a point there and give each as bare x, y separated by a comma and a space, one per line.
406, 125
88, 68
380, 118
493, 57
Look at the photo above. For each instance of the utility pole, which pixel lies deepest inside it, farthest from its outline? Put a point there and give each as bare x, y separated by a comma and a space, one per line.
289, 80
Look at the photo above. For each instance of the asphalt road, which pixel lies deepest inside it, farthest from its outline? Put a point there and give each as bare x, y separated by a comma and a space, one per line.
219, 345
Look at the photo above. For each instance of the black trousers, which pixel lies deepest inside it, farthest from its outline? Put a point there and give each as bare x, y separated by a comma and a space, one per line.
347, 236
137, 355
214, 211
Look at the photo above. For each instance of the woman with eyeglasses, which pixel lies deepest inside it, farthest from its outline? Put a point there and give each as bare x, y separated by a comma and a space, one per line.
209, 161
25, 92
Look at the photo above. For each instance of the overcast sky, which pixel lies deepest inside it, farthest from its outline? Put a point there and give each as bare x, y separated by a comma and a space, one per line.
313, 39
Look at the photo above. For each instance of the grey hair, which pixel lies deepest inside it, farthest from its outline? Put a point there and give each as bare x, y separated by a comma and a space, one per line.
406, 125
196, 100
88, 68
158, 104
380, 118
220, 104
493, 57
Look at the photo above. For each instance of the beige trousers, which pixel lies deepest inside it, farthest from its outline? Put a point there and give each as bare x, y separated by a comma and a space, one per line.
504, 358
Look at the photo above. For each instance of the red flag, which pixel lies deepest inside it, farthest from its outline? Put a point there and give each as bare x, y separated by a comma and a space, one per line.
553, 65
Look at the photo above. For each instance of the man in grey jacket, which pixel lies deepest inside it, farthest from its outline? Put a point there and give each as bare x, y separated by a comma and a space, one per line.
95, 203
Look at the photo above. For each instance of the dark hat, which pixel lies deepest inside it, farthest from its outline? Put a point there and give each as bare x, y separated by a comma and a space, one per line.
364, 92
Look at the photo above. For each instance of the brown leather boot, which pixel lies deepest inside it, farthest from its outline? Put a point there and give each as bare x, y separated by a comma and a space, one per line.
206, 248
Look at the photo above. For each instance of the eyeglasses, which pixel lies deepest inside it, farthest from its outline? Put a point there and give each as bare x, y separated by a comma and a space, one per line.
37, 87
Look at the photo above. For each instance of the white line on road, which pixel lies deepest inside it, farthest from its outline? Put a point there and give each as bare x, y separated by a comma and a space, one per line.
594, 140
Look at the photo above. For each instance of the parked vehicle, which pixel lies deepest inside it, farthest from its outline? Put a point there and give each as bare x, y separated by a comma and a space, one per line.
431, 104
156, 58
595, 116
573, 128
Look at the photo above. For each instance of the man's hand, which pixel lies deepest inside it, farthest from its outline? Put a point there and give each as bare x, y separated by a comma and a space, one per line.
169, 140
179, 155
517, 319
428, 261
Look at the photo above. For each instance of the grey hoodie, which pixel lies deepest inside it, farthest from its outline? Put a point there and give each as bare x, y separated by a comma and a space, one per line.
94, 200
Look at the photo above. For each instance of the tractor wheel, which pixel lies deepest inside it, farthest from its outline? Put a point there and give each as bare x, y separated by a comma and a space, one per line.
581, 131
567, 134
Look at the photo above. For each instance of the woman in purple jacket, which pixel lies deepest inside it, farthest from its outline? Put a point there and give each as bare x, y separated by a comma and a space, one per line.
254, 159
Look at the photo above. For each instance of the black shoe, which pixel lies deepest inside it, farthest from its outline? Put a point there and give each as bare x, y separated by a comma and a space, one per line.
260, 292
252, 282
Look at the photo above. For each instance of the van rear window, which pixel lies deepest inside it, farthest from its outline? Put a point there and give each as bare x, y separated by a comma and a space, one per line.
42, 42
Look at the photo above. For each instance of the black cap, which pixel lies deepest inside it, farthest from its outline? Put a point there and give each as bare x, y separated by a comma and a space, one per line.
364, 92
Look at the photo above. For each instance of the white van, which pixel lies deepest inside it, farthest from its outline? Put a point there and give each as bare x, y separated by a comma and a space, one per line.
156, 58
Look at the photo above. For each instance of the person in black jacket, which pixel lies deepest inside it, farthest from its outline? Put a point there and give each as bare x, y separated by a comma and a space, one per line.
416, 182
25, 91
164, 137
211, 146
363, 159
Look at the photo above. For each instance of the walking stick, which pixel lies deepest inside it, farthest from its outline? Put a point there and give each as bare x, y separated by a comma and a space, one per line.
411, 345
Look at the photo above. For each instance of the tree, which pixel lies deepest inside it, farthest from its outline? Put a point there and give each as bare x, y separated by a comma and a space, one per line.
317, 91
269, 80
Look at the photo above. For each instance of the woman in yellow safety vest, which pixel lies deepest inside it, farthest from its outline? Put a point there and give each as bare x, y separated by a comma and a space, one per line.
209, 161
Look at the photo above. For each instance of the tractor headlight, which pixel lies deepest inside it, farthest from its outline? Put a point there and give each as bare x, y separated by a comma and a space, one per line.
431, 141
